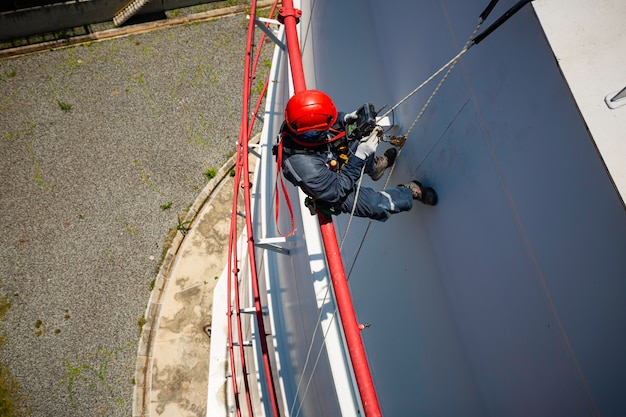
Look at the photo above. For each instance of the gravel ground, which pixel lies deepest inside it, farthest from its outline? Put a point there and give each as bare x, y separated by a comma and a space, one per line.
102, 147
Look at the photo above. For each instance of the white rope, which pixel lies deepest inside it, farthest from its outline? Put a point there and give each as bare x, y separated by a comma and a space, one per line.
356, 198
453, 60
319, 354
451, 64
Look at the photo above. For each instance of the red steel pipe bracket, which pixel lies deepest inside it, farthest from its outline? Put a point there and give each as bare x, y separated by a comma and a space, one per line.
284, 12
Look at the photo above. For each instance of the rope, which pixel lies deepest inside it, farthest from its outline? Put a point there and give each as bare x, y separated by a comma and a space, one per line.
408, 96
450, 65
317, 358
356, 198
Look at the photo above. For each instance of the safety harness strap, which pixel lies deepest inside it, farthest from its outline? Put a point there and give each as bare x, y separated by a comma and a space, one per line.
339, 135
279, 177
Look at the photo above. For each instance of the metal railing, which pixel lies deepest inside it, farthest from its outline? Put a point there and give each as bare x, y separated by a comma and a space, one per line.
289, 17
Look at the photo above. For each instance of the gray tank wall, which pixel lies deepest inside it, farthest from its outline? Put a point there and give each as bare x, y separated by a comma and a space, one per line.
506, 299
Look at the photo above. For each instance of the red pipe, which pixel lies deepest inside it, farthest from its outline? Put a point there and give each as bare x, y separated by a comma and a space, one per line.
289, 16
351, 327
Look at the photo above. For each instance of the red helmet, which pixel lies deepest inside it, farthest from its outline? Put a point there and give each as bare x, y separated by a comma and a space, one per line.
310, 110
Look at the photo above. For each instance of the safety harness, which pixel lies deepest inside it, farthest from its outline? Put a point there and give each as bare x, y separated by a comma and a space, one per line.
314, 205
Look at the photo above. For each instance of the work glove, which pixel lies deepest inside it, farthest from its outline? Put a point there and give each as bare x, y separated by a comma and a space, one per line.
368, 145
350, 117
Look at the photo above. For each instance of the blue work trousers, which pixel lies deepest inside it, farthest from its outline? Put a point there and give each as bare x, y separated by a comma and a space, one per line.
378, 205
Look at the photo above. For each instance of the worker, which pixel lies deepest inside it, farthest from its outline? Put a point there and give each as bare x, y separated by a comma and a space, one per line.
318, 157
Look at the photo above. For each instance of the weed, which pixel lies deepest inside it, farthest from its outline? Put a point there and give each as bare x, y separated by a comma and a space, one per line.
152, 283
62, 34
5, 305
166, 206
66, 107
183, 225
210, 173
40, 328
198, 137
140, 322
94, 375
12, 402
231, 173
29, 128
37, 175
7, 74
264, 12
7, 102
144, 176
131, 229
260, 86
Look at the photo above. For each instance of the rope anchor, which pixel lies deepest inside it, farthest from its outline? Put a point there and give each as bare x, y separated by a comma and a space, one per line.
397, 141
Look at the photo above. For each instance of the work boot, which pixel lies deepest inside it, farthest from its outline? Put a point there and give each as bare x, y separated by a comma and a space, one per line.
383, 162
420, 193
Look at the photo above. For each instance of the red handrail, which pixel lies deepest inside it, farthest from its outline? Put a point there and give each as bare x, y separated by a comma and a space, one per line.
351, 327
242, 181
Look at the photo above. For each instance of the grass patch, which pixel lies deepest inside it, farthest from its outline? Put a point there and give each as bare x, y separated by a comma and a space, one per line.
183, 225
131, 229
93, 371
140, 322
7, 74
12, 402
66, 107
37, 174
260, 86
210, 173
145, 178
40, 328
